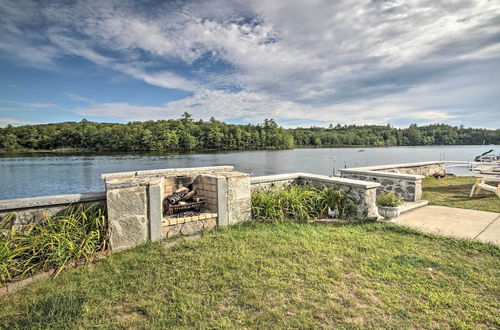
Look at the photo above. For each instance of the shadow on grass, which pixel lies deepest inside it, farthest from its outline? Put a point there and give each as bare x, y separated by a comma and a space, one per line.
57, 311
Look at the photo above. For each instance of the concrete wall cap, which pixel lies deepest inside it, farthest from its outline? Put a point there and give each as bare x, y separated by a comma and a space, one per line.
340, 181
391, 166
384, 174
42, 201
316, 177
273, 178
171, 171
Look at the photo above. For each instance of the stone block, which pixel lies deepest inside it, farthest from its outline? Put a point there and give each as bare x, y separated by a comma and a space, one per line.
172, 231
155, 212
128, 232
128, 217
191, 228
222, 218
238, 188
209, 224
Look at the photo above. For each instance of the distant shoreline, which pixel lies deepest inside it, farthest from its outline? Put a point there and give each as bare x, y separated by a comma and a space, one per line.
75, 151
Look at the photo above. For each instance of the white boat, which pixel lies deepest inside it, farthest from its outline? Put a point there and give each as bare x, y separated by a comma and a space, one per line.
488, 157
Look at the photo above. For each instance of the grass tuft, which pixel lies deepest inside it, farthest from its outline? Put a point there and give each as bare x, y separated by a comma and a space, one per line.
302, 203
76, 235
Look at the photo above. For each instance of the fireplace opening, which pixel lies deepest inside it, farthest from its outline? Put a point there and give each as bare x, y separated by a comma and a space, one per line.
184, 201
188, 199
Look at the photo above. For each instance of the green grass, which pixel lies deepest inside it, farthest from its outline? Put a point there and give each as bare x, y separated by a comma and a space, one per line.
275, 275
454, 192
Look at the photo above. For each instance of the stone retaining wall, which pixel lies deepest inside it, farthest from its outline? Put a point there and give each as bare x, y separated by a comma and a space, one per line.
33, 210
419, 168
361, 192
402, 179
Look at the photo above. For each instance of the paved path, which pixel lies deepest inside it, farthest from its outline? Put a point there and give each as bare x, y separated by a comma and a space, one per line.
462, 223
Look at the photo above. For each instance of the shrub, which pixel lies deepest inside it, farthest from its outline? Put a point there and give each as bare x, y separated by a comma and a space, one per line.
76, 235
389, 199
301, 203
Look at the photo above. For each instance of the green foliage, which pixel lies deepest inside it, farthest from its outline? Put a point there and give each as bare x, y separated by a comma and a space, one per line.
301, 203
389, 199
76, 235
185, 134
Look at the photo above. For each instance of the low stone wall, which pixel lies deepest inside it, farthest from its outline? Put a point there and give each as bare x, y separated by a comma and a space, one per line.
419, 168
188, 226
33, 210
402, 179
361, 192
271, 182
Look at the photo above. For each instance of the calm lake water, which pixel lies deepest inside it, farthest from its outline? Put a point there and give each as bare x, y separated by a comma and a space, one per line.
50, 174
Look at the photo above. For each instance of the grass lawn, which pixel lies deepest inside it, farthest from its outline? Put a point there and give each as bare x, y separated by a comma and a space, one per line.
455, 191
265, 275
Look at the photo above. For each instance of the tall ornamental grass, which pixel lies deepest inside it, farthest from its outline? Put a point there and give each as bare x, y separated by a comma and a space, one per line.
302, 203
52, 244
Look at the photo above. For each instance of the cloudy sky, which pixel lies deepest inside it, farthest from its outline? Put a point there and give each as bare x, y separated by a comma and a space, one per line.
302, 62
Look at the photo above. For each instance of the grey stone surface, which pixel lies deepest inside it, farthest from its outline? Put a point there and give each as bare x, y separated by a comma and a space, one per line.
128, 232
30, 214
191, 228
155, 211
222, 216
403, 179
172, 231
238, 199
409, 188
209, 224
165, 172
128, 217
421, 168
45, 201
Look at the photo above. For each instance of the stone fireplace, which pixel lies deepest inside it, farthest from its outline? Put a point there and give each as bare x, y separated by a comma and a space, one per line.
138, 210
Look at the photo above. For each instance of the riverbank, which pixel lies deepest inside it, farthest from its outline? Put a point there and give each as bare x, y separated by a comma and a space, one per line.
80, 151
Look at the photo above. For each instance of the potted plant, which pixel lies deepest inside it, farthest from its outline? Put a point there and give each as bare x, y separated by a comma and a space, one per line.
388, 205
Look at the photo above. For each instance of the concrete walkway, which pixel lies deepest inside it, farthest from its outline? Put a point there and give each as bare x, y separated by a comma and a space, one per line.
448, 221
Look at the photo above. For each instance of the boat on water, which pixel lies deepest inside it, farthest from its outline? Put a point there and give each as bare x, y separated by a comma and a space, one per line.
489, 163
488, 156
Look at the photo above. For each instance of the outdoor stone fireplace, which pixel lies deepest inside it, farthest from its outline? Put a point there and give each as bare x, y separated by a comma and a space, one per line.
139, 210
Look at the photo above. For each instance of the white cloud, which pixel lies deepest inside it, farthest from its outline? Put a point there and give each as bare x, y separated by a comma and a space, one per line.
342, 61
15, 122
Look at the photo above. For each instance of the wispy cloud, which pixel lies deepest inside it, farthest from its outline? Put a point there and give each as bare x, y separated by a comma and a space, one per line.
28, 105
348, 61
14, 122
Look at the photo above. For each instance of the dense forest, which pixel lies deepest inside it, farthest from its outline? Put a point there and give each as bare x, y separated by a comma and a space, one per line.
185, 134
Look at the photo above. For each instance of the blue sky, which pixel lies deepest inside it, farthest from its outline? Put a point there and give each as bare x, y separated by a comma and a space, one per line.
301, 62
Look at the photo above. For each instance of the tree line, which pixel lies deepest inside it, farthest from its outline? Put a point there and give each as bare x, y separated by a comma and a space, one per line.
185, 134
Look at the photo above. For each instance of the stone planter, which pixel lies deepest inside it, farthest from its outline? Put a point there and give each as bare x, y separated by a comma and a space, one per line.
389, 212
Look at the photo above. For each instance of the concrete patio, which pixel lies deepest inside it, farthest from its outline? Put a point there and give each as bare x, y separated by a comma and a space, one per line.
460, 223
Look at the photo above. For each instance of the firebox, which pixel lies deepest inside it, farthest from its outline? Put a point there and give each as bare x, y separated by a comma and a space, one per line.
189, 199
151, 205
